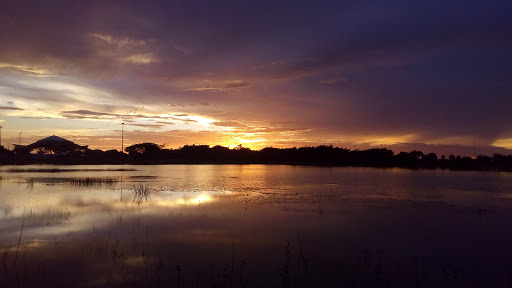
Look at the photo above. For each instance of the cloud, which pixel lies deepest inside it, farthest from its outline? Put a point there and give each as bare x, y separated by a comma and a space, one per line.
439, 73
153, 126
37, 117
145, 58
236, 85
87, 114
91, 113
120, 42
505, 143
229, 124
183, 120
334, 80
219, 86
165, 122
9, 108
34, 71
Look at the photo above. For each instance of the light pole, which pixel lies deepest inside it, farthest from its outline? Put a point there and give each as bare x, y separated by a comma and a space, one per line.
122, 137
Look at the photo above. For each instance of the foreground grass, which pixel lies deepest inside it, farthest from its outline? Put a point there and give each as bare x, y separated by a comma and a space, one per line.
92, 181
74, 181
58, 170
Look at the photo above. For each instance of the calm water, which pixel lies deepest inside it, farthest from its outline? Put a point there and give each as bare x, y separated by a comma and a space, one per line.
254, 226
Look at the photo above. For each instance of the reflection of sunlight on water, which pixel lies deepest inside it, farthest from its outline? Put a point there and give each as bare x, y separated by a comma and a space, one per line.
33, 244
80, 210
205, 198
25, 245
135, 261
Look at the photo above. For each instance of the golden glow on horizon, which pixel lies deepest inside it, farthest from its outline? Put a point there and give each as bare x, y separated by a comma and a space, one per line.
387, 140
94, 126
87, 114
249, 142
506, 143
200, 119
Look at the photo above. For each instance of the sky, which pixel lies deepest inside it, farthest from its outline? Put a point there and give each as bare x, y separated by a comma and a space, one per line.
428, 75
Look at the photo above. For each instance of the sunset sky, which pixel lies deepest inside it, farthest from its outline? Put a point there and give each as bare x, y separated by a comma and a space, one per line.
426, 75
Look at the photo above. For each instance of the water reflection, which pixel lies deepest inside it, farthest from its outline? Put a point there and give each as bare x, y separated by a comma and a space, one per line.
255, 225
186, 201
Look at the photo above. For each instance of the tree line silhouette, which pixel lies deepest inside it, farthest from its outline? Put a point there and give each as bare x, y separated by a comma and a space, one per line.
323, 155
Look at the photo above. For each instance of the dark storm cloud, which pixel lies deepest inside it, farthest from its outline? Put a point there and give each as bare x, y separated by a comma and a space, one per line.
435, 69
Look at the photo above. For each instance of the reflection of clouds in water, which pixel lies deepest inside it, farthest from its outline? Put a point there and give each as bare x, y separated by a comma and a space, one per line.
78, 213
7, 211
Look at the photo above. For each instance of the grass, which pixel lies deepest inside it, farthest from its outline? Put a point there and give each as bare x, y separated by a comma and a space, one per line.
19, 241
92, 181
141, 193
47, 218
74, 181
58, 170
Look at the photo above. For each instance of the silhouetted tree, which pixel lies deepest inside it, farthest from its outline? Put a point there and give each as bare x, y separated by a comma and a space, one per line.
417, 155
432, 157
151, 153
3, 150
143, 149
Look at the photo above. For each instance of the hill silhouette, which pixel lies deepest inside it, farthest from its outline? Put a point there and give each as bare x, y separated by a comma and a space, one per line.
323, 155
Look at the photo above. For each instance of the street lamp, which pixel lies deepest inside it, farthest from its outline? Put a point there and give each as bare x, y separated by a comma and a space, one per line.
122, 137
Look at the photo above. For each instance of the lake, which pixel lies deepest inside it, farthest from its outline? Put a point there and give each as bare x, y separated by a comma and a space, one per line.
253, 226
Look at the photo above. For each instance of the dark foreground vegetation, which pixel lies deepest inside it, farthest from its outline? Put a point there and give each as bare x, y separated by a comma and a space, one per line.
323, 155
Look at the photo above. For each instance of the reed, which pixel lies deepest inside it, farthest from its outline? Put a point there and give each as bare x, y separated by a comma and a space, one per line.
58, 170
19, 241
141, 193
91, 181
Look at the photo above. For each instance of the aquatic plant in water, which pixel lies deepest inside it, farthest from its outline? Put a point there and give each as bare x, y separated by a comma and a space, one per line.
57, 170
92, 181
141, 193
